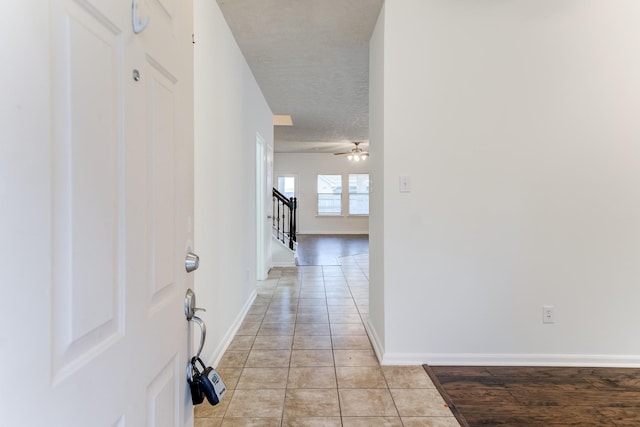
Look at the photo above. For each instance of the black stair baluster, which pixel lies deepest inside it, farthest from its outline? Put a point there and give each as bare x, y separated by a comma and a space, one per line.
287, 216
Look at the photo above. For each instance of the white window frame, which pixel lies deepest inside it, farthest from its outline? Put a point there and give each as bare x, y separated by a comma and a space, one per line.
358, 193
334, 193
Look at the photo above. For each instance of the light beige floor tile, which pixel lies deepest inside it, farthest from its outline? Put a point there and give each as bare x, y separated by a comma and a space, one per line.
335, 279
280, 311
205, 410
336, 293
420, 402
367, 403
311, 403
337, 286
355, 358
351, 342
268, 359
207, 422
338, 283
256, 310
340, 302
232, 359
331, 270
287, 286
371, 422
342, 309
273, 342
260, 378
308, 283
276, 329
324, 377
360, 377
288, 290
311, 358
284, 301
317, 302
338, 289
256, 403
253, 318
230, 376
314, 309
280, 318
347, 329
312, 422
248, 328
430, 422
241, 342
315, 292
312, 317
316, 342
251, 422
345, 318
407, 377
312, 329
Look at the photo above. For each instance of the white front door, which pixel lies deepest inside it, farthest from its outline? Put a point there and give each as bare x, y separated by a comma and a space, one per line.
98, 187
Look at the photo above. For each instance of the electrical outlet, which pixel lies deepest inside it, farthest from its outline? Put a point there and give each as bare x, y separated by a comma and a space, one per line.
548, 314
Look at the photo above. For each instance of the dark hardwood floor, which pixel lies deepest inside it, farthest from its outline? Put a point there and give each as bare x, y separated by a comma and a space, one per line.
325, 249
529, 396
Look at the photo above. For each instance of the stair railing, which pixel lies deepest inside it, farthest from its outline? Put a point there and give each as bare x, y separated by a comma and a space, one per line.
284, 218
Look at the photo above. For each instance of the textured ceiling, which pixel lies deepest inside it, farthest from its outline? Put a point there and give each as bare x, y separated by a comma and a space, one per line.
311, 60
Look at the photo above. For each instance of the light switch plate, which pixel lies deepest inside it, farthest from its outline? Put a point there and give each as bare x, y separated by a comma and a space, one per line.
405, 184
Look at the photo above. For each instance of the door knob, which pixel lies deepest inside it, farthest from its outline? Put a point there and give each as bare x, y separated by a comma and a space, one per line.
192, 262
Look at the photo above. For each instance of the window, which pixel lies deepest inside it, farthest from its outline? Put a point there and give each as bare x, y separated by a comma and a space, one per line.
329, 194
287, 185
359, 194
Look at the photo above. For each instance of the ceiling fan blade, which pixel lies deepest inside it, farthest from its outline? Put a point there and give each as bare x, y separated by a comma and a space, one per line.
342, 154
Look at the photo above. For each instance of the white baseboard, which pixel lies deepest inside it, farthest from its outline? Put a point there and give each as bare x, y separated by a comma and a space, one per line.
378, 348
462, 359
231, 332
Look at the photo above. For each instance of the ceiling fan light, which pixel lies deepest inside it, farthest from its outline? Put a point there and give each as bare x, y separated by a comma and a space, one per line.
350, 157
356, 158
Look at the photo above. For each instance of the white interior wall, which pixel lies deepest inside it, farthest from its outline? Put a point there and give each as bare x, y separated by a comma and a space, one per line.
229, 110
307, 167
522, 123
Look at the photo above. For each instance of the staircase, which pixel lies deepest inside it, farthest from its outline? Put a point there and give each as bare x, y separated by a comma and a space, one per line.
284, 229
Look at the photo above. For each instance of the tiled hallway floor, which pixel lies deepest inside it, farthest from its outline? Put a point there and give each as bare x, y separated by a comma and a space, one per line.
302, 358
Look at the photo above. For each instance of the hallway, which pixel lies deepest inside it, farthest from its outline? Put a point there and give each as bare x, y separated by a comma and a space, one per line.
302, 358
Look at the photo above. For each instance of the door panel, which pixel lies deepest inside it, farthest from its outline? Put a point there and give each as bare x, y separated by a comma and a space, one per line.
87, 195
162, 395
161, 146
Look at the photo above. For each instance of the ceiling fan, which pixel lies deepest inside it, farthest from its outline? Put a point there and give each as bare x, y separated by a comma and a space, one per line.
355, 154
